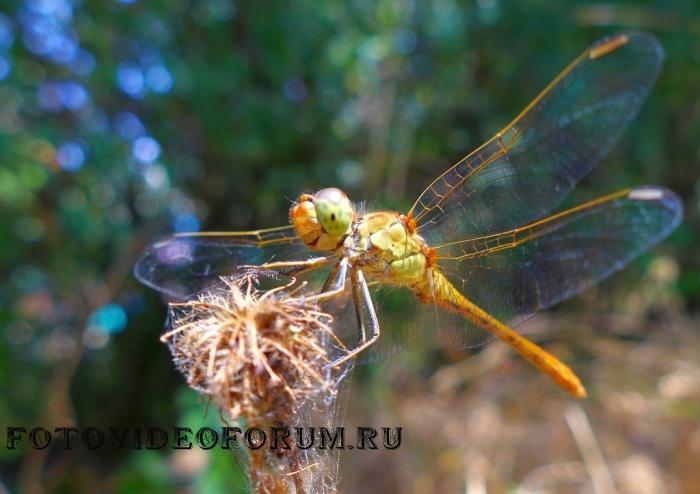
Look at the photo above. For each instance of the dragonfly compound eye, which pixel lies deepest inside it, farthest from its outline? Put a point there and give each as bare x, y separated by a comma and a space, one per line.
334, 211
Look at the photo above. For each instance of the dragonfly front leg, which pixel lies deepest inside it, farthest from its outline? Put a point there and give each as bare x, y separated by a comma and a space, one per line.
366, 317
334, 286
293, 268
335, 278
335, 283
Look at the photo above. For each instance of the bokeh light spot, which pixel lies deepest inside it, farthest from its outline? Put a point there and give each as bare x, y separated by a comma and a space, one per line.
350, 173
70, 156
131, 80
129, 126
111, 318
95, 338
29, 278
156, 177
72, 95
159, 79
185, 222
295, 90
5, 67
84, 63
7, 35
145, 149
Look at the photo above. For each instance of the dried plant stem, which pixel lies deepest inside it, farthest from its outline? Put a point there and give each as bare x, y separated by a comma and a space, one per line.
259, 356
590, 452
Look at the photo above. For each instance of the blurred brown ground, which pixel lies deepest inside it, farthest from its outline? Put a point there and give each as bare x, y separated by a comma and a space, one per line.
492, 423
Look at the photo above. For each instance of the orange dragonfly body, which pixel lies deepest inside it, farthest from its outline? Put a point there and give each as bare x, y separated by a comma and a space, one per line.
481, 242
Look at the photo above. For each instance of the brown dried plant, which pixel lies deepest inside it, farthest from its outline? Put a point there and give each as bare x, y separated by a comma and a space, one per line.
259, 356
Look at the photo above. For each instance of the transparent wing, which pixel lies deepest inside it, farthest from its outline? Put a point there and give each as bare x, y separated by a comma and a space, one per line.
515, 273
527, 169
187, 263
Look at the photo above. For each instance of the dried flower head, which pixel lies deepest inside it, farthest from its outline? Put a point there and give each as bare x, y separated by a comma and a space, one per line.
256, 353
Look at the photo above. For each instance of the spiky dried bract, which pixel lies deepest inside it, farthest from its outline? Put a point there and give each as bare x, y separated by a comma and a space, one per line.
258, 354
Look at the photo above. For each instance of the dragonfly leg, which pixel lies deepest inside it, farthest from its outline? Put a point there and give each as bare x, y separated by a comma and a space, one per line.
363, 305
335, 283
296, 267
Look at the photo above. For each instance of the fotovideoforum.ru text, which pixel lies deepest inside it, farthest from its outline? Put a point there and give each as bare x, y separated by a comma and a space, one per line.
275, 438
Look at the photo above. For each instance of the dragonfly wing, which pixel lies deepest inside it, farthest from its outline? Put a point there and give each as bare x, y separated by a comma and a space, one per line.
404, 322
187, 263
515, 273
527, 169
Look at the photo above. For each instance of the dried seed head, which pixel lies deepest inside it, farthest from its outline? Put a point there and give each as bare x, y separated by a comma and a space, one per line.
256, 353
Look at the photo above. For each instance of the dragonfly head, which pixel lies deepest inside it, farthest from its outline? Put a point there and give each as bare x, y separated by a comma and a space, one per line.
322, 219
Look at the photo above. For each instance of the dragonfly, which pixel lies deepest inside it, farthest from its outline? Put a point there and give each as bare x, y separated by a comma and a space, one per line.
485, 245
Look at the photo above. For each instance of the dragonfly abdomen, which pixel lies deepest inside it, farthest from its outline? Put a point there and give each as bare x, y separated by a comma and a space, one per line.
446, 295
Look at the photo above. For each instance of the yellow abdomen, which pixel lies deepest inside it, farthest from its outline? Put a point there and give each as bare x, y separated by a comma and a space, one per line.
444, 294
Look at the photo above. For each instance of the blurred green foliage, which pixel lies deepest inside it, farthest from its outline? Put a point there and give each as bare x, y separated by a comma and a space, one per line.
122, 120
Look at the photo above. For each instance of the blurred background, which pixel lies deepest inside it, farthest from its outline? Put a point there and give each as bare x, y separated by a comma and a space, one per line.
122, 120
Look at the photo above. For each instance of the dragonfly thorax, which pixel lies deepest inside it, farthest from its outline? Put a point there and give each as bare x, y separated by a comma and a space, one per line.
323, 219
